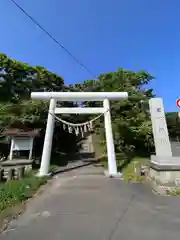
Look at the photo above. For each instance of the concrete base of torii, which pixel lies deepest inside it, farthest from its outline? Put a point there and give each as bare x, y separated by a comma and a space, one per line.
113, 175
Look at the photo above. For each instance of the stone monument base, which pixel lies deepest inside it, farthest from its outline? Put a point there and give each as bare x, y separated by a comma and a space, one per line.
164, 173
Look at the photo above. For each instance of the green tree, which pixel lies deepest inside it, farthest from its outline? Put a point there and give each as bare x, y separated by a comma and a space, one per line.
173, 124
17, 109
19, 79
131, 122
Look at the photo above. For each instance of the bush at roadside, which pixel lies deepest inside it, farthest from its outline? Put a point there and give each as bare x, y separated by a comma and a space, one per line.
16, 191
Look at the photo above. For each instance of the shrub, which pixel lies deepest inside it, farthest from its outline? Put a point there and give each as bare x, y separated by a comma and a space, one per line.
16, 191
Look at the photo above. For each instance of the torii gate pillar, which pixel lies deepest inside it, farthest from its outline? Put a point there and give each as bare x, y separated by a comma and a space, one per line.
46, 154
79, 97
112, 166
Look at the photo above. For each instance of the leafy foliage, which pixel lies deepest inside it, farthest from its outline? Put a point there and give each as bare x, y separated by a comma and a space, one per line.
18, 80
173, 124
130, 118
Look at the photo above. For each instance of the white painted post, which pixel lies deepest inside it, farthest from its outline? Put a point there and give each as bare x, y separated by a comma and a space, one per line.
112, 167
31, 147
46, 155
11, 149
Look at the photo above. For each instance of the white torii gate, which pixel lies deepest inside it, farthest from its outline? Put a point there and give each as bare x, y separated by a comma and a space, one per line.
78, 97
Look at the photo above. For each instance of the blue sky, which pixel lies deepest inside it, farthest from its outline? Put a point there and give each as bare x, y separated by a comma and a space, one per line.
103, 34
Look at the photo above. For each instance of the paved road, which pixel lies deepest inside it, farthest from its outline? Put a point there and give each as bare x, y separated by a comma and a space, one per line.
83, 204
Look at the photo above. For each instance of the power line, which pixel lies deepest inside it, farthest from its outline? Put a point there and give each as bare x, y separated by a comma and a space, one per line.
53, 38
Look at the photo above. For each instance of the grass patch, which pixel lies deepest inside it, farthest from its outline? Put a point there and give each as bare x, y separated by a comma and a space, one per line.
175, 192
53, 168
9, 214
13, 194
16, 191
131, 172
129, 167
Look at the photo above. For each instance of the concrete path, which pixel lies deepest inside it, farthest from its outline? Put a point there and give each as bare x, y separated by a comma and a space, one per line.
85, 205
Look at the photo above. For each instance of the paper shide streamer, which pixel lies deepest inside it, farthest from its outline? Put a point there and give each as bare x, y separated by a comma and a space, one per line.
77, 128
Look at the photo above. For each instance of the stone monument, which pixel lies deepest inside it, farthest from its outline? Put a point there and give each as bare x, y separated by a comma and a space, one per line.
164, 168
